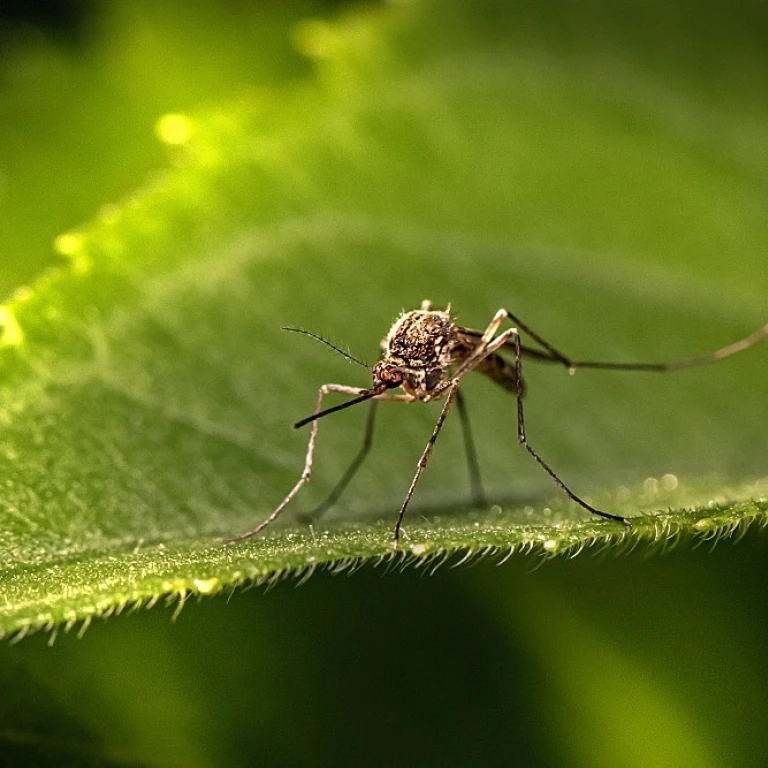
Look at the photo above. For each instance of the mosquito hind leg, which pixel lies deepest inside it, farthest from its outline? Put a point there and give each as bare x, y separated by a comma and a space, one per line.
552, 355
522, 439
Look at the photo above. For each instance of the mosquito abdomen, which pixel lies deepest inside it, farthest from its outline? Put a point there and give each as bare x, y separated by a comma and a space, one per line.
495, 367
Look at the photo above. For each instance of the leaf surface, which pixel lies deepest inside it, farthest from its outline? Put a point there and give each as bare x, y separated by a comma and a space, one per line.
148, 392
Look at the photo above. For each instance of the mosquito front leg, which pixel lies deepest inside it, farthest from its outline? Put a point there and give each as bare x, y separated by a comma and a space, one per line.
452, 390
334, 495
485, 348
306, 473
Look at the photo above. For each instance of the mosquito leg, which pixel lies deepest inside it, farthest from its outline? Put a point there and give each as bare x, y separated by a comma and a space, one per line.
487, 346
555, 354
452, 391
719, 354
494, 326
521, 438
306, 473
478, 497
552, 355
334, 495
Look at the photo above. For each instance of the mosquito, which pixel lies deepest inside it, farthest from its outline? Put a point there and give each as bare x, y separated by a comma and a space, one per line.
425, 357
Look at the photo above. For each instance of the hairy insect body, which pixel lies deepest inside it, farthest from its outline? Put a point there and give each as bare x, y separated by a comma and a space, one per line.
496, 368
425, 347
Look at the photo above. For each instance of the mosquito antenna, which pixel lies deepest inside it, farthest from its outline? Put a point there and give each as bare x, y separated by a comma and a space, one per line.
362, 398
325, 341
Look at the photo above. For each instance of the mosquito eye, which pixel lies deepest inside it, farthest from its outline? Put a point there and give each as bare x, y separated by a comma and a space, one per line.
392, 377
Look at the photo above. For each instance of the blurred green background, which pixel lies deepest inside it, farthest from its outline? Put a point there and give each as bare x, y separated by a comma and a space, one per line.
600, 660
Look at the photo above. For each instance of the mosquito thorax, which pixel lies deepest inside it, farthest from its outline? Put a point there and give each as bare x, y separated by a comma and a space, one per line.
422, 346
422, 339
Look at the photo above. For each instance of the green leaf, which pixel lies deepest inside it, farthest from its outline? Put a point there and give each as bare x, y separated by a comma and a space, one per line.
148, 392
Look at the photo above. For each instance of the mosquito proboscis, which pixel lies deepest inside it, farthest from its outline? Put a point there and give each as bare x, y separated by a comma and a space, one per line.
426, 356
